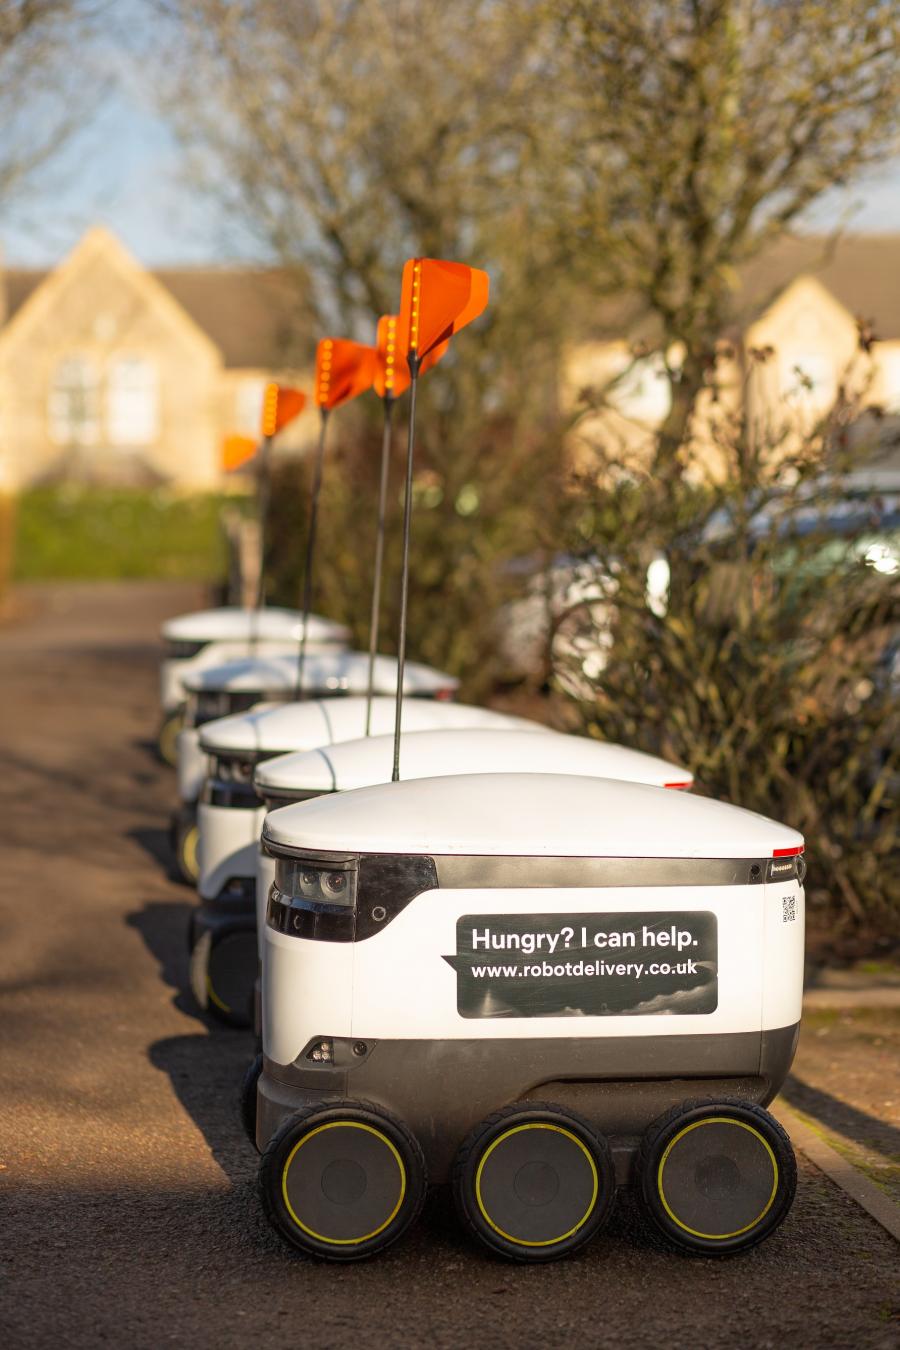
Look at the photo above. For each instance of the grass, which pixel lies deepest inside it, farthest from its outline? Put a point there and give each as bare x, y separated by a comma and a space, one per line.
883, 1170
78, 533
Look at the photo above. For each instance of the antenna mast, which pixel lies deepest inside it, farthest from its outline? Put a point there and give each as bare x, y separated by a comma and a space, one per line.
310, 546
437, 299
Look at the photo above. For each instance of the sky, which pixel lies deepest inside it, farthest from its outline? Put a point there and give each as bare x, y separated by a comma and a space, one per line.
124, 171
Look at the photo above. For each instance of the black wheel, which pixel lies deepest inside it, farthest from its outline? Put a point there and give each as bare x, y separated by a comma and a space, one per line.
185, 837
248, 1098
716, 1176
223, 970
167, 737
534, 1182
342, 1180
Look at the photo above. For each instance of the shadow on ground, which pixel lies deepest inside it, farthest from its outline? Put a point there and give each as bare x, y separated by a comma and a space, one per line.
156, 842
847, 1120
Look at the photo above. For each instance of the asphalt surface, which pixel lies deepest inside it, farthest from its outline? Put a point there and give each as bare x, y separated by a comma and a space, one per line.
127, 1189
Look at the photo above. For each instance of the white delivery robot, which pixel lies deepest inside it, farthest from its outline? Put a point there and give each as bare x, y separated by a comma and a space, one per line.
211, 637
349, 765
240, 685
534, 987
223, 930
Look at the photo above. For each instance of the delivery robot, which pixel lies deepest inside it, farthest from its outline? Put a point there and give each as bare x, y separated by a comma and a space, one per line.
210, 637
533, 987
223, 933
482, 749
238, 686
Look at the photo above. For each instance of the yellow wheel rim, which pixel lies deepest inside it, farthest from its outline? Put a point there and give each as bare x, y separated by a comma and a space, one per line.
168, 740
717, 1120
517, 1129
343, 1125
189, 852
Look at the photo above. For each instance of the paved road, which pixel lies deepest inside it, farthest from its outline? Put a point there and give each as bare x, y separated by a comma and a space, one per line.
129, 1217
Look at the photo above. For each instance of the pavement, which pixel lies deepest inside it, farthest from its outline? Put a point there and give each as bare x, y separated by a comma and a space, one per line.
126, 1185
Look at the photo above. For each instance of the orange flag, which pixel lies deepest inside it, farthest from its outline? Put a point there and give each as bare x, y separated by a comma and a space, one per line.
437, 299
391, 374
391, 369
281, 405
343, 371
237, 450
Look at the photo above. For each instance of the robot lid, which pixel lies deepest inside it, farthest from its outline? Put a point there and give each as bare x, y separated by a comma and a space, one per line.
305, 726
342, 672
526, 815
485, 749
232, 623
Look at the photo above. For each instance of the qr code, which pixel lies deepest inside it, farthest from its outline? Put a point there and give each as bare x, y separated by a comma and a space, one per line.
788, 908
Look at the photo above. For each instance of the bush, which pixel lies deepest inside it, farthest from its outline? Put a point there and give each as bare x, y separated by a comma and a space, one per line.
771, 670
92, 533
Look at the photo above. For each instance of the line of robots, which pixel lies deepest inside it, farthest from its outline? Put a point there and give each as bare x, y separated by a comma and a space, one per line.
482, 953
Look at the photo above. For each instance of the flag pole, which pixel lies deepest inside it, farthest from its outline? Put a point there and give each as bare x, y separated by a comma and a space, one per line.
310, 547
263, 494
413, 361
388, 402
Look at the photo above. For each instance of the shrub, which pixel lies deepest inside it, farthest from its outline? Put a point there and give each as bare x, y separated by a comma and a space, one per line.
771, 671
75, 532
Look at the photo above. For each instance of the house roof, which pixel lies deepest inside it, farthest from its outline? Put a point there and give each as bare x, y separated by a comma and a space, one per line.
862, 272
253, 315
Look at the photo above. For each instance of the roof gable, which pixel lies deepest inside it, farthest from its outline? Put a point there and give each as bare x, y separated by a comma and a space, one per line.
255, 317
38, 299
861, 272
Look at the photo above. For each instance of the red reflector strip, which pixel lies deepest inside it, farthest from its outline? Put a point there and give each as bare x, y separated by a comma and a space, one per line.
788, 852
680, 787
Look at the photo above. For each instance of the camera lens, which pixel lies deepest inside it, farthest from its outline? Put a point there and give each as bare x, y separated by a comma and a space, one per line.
335, 882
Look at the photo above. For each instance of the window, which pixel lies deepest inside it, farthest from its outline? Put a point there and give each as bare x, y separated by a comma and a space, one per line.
642, 391
249, 405
807, 378
73, 407
132, 402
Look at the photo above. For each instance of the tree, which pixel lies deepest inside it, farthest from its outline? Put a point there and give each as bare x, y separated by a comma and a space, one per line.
43, 86
700, 131
350, 136
583, 146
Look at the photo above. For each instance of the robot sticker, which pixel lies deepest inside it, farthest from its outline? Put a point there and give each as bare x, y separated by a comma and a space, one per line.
586, 965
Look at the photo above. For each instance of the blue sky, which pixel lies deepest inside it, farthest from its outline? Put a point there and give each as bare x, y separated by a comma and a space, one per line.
123, 170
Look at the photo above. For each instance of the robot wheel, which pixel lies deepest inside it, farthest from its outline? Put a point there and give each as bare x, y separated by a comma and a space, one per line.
248, 1097
716, 1177
534, 1182
167, 737
222, 971
342, 1180
185, 837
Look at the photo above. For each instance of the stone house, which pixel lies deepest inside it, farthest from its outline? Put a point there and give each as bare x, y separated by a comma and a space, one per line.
802, 300
113, 373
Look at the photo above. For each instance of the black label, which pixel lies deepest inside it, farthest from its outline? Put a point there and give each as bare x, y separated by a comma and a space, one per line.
586, 965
